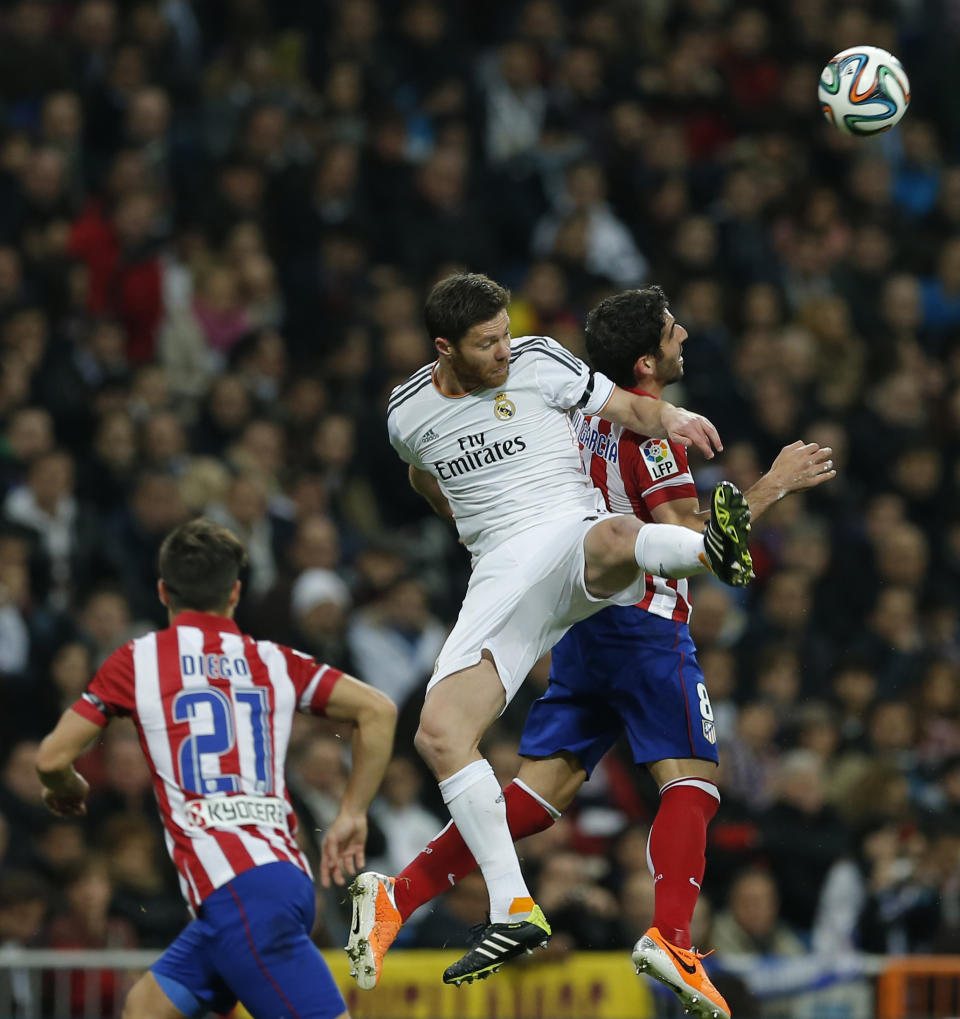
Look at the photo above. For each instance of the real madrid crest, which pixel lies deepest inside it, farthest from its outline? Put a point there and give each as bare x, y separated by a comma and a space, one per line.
504, 407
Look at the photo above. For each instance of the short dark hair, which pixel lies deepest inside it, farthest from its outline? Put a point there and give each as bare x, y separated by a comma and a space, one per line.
624, 327
457, 303
200, 562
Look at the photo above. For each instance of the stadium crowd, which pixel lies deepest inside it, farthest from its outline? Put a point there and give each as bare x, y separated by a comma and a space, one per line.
217, 225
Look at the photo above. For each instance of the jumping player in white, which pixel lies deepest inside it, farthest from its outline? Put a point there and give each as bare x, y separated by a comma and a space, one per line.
627, 670
213, 709
487, 431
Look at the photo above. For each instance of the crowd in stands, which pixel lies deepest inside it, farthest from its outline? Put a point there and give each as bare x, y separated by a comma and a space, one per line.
218, 222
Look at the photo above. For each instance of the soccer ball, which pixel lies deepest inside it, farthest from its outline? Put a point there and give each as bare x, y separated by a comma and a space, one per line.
864, 90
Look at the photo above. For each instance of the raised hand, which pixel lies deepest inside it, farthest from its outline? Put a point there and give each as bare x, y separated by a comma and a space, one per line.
802, 465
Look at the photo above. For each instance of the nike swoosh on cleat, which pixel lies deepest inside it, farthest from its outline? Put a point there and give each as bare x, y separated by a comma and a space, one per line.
356, 921
684, 965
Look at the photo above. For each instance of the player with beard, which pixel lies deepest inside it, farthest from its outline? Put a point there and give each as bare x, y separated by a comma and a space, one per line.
629, 669
488, 432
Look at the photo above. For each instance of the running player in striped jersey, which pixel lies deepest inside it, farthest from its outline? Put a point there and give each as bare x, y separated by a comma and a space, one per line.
213, 709
627, 669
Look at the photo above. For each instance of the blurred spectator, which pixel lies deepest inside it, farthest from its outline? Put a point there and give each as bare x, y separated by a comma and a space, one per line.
585, 912
315, 545
843, 896
143, 879
105, 622
750, 758
83, 920
24, 901
153, 508
20, 797
406, 825
751, 923
802, 836
47, 504
395, 639
126, 788
610, 250
319, 602
244, 510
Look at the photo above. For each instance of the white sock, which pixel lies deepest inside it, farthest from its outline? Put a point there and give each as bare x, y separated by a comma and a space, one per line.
475, 801
669, 550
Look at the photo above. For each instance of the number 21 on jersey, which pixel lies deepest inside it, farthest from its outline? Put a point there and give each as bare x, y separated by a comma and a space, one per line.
220, 722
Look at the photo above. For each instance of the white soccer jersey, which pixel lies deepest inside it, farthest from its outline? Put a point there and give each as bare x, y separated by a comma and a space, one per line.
506, 458
213, 709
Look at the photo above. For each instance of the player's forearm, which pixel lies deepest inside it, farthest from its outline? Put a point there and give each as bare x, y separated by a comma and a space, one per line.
372, 749
761, 496
648, 416
60, 748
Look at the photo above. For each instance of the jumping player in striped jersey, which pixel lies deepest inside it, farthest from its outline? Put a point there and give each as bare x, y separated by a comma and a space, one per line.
627, 669
213, 709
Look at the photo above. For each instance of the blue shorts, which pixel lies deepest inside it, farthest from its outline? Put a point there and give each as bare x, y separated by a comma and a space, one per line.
251, 943
623, 670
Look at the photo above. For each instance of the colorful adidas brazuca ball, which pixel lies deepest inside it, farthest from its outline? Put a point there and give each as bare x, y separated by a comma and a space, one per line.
864, 90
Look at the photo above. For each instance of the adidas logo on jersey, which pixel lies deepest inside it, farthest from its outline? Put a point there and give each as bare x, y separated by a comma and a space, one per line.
429, 436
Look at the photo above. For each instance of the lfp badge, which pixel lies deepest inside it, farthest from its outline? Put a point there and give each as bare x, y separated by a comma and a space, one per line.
659, 457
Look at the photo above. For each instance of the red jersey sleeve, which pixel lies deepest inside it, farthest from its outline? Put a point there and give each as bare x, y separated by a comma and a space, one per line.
660, 473
111, 691
313, 681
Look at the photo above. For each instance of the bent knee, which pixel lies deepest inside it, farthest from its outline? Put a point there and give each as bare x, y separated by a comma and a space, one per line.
611, 543
433, 742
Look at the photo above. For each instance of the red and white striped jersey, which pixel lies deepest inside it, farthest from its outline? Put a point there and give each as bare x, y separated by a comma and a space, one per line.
214, 708
636, 474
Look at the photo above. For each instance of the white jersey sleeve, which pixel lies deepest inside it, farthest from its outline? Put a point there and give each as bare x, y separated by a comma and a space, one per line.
564, 380
404, 394
406, 454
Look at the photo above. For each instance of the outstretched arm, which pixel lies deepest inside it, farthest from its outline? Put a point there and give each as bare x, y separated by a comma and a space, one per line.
65, 789
797, 466
374, 717
660, 419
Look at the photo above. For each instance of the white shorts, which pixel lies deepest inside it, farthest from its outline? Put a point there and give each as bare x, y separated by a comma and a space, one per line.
522, 598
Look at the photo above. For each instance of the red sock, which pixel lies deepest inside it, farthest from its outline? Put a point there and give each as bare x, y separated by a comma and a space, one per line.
678, 839
446, 859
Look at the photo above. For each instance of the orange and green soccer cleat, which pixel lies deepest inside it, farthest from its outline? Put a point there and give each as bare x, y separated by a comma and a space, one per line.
682, 971
374, 926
